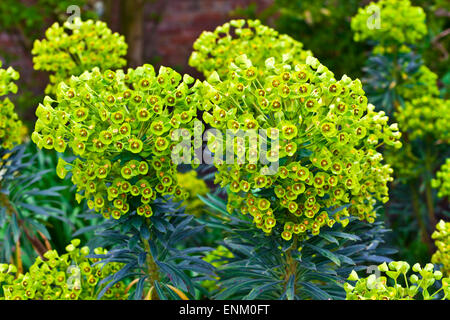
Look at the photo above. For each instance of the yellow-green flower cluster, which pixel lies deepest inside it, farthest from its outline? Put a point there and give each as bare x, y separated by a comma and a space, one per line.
441, 238
194, 187
213, 51
328, 135
442, 180
70, 276
10, 125
123, 127
404, 163
72, 48
7, 78
425, 116
217, 258
378, 288
422, 83
390, 22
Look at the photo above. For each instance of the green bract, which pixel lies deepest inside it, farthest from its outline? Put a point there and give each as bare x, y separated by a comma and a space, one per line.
75, 47
122, 128
328, 134
441, 237
442, 180
402, 288
10, 125
390, 22
213, 51
425, 116
71, 276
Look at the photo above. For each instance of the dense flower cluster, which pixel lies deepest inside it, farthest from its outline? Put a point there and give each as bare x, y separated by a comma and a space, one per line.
194, 187
373, 288
71, 276
328, 134
75, 47
390, 22
10, 125
213, 51
425, 116
123, 127
442, 180
441, 238
422, 83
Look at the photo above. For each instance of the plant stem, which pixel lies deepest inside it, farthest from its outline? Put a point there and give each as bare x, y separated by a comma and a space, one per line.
152, 268
416, 210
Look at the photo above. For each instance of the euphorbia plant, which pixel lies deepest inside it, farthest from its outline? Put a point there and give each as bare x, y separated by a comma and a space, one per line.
328, 135
441, 237
70, 276
214, 51
123, 128
10, 125
74, 47
398, 82
403, 287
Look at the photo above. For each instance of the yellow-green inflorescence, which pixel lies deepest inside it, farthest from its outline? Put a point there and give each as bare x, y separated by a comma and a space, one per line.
425, 116
441, 238
72, 48
194, 187
422, 83
70, 276
328, 135
403, 287
10, 125
123, 127
442, 180
213, 51
390, 22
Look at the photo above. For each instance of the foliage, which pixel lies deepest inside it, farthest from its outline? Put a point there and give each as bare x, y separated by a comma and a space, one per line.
153, 253
70, 276
442, 180
214, 51
398, 82
377, 288
72, 48
25, 207
441, 237
217, 258
121, 127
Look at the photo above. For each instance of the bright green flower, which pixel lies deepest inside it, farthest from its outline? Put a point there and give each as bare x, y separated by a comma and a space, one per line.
68, 51
390, 22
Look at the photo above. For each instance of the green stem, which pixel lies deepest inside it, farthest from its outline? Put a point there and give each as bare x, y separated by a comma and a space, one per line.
416, 211
152, 268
